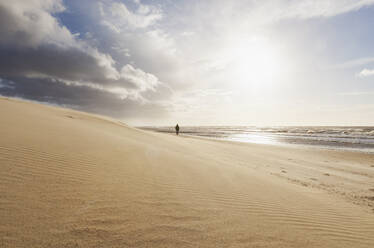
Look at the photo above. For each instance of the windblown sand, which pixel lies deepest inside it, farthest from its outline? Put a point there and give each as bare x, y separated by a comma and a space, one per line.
70, 179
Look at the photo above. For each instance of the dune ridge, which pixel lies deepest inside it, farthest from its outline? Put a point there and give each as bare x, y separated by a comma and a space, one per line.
71, 179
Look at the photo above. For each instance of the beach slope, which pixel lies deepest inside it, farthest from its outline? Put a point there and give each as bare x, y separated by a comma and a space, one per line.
71, 179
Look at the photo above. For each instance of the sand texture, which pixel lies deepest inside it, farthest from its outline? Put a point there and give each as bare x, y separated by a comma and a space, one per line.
70, 179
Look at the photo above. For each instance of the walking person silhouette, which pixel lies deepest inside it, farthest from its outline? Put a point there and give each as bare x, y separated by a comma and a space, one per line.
177, 129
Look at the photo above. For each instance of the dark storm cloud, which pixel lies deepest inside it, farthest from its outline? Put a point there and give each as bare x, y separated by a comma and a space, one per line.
41, 60
79, 97
33, 44
70, 64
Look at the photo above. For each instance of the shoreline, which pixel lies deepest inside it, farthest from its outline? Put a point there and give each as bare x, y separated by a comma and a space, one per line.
346, 147
358, 197
294, 145
70, 178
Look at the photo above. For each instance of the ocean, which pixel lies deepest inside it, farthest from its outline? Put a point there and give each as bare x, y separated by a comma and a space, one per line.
357, 138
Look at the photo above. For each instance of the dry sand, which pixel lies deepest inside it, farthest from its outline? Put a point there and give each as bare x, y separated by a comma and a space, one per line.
70, 179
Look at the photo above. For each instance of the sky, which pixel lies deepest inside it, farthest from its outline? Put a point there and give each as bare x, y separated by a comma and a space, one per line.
193, 62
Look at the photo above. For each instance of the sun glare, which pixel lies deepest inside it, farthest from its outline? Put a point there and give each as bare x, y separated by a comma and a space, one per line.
255, 64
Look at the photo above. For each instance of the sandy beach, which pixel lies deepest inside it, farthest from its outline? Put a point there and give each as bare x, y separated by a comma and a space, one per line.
71, 179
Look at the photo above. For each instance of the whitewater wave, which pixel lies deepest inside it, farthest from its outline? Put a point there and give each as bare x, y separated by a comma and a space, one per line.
357, 138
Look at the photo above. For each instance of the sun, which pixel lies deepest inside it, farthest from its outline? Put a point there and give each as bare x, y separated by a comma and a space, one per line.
255, 63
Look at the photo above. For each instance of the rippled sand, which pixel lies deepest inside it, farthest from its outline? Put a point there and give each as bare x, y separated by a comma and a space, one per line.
70, 179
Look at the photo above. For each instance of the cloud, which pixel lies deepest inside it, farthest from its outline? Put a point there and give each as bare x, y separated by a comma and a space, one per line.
366, 73
253, 13
145, 43
119, 17
354, 63
363, 93
187, 33
145, 55
30, 23
42, 60
144, 81
320, 8
82, 97
34, 44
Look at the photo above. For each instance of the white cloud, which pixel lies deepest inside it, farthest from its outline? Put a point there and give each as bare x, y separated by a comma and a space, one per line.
358, 93
144, 81
110, 26
304, 9
140, 49
366, 73
218, 14
354, 63
118, 16
320, 8
187, 33
33, 35
30, 23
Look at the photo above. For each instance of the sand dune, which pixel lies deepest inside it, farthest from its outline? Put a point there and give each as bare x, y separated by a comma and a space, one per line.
70, 179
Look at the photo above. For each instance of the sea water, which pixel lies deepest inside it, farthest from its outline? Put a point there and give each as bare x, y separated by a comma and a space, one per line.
332, 137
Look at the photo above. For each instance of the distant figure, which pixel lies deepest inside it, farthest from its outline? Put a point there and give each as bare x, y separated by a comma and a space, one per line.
177, 129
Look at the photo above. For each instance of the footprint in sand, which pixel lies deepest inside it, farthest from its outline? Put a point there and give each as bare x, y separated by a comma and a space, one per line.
370, 198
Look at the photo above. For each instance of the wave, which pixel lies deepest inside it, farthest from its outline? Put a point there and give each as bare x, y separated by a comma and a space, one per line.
360, 138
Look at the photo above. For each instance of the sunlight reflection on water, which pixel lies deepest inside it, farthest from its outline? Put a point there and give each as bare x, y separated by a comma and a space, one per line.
346, 138
254, 138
